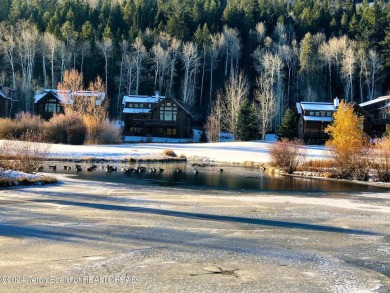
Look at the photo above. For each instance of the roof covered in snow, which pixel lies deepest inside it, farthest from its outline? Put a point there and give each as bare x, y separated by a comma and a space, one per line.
317, 106
317, 118
7, 93
66, 96
299, 108
377, 100
142, 99
136, 110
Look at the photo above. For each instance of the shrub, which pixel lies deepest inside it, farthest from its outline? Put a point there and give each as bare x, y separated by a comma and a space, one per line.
381, 159
109, 132
27, 123
27, 155
169, 153
6, 128
65, 128
22, 124
286, 154
55, 130
76, 133
92, 125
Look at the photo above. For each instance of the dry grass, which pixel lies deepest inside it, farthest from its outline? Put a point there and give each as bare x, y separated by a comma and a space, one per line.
23, 123
249, 164
317, 165
7, 182
26, 155
169, 153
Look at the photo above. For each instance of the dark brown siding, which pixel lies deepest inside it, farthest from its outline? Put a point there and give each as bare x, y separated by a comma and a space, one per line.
4, 106
41, 105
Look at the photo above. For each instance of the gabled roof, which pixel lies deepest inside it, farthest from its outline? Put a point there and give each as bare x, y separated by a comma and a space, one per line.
66, 96
6, 93
374, 101
299, 108
317, 106
182, 105
142, 99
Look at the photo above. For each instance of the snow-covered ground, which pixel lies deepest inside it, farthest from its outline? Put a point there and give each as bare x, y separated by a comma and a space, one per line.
16, 175
231, 152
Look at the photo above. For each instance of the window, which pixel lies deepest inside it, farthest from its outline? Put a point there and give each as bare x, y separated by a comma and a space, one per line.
130, 105
52, 106
168, 112
329, 114
136, 130
311, 113
167, 131
317, 114
322, 114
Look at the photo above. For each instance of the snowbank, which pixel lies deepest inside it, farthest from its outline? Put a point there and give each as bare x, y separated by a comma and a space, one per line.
233, 152
16, 175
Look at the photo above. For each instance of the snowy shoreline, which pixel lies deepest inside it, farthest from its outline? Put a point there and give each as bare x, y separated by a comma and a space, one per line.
224, 152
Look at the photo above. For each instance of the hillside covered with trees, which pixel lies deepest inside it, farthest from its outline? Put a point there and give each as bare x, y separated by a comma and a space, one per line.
198, 50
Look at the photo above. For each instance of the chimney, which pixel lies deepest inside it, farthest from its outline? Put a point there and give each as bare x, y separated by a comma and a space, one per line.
336, 102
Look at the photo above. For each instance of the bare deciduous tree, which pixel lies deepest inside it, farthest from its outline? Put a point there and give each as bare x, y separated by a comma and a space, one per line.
260, 31
289, 56
217, 42
106, 47
266, 104
190, 60
348, 70
232, 50
27, 46
214, 121
8, 47
174, 48
140, 55
373, 72
236, 91
85, 51
51, 43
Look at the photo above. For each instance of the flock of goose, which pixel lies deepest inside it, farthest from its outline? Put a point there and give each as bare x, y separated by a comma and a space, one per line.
126, 170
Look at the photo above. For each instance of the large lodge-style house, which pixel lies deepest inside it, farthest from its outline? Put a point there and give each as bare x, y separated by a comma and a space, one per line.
314, 117
156, 116
52, 101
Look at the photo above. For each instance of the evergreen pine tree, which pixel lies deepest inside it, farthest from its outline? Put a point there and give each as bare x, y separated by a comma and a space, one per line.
289, 126
246, 123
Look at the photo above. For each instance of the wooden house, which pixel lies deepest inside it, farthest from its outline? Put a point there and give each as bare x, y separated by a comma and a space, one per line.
52, 101
378, 111
156, 116
7, 101
313, 118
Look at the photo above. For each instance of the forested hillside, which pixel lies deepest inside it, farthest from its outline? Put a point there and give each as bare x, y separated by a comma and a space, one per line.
299, 50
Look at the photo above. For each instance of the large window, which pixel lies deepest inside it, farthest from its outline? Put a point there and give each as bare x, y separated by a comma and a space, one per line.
52, 106
168, 112
167, 131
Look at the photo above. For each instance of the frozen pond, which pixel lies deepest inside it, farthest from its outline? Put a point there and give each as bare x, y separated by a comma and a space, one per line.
207, 176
